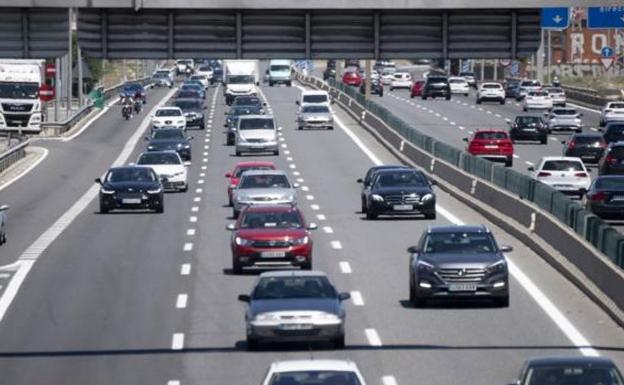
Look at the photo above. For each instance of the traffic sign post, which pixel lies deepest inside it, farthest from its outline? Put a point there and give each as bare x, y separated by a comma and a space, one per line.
555, 18
607, 58
46, 92
605, 17
505, 62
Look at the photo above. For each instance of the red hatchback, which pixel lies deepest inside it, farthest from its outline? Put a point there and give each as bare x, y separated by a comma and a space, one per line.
271, 236
239, 169
352, 78
417, 88
491, 144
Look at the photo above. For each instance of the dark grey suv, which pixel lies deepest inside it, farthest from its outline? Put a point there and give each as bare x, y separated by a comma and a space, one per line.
458, 262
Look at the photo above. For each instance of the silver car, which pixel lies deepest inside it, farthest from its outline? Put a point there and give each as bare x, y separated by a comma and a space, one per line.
261, 187
315, 116
294, 306
3, 221
563, 119
558, 96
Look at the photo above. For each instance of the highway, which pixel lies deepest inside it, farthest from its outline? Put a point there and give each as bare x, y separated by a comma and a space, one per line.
134, 298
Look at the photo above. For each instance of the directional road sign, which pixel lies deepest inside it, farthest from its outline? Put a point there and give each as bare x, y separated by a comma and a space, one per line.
607, 57
607, 52
605, 17
555, 18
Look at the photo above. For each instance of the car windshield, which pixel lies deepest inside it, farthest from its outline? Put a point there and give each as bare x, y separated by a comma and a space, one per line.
538, 93
264, 181
246, 101
294, 287
589, 141
240, 79
168, 112
530, 83
492, 86
160, 76
490, 135
567, 111
616, 105
562, 165
280, 68
159, 158
528, 120
168, 134
457, 81
314, 98
610, 183
617, 152
17, 90
435, 79
240, 170
188, 94
315, 109
189, 104
572, 375
315, 377
191, 86
243, 110
134, 174
401, 179
198, 77
205, 68
256, 124
462, 243
271, 220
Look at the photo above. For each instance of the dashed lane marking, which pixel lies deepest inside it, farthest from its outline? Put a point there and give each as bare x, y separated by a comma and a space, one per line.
177, 341
345, 267
315, 207
188, 246
373, 337
190, 232
181, 301
321, 217
328, 230
336, 245
356, 298
185, 269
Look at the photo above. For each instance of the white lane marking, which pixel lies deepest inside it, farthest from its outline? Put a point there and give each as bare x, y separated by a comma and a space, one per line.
336, 245
470, 132
498, 115
356, 298
296, 173
462, 128
300, 180
188, 246
205, 154
202, 174
315, 207
305, 188
185, 269
437, 114
321, 217
453, 124
287, 152
194, 209
388, 380
345, 267
489, 112
310, 197
181, 301
289, 158
198, 190
372, 337
284, 145
28, 258
173, 382
444, 118
357, 141
584, 108
200, 181
197, 199
26, 171
193, 219
328, 230
292, 165
554, 139
190, 232
529, 163
177, 341
593, 128
516, 156
204, 167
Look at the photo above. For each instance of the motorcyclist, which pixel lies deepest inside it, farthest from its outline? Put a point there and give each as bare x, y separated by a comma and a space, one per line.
556, 82
127, 105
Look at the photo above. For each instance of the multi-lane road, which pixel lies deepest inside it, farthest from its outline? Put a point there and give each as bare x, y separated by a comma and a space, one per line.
134, 298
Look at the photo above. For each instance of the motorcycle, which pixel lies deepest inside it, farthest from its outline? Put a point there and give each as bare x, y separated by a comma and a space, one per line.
126, 111
138, 105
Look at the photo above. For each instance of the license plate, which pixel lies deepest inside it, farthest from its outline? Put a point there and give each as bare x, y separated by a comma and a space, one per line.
295, 326
403, 208
131, 201
617, 198
273, 254
491, 146
530, 129
561, 185
463, 287
587, 156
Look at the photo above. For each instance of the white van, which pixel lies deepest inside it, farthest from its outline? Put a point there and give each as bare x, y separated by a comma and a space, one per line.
256, 133
314, 97
279, 71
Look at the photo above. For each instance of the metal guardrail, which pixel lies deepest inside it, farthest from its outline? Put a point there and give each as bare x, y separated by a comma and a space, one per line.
13, 153
589, 247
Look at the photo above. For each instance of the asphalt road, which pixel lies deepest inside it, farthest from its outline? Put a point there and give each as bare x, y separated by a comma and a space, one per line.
137, 298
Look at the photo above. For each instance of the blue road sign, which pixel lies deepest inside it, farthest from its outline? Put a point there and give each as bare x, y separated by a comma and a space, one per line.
605, 17
607, 52
555, 18
465, 66
515, 68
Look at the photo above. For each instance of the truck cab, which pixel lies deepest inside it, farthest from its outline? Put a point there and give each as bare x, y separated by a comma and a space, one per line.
20, 107
241, 78
279, 71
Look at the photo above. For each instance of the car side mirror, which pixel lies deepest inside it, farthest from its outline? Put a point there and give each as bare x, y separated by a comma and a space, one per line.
4, 207
264, 104
506, 249
228, 175
164, 179
580, 114
312, 226
531, 168
360, 180
98, 181
465, 139
344, 296
413, 250
231, 227
244, 298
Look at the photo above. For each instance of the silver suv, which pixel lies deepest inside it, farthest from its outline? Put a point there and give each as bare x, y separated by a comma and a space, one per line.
261, 187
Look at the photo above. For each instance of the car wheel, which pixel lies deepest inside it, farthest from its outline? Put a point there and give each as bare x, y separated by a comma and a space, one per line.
478, 101
502, 302
430, 215
509, 162
448, 97
339, 342
103, 209
424, 97
270, 84
202, 125
238, 153
276, 153
370, 214
289, 84
300, 128
391, 89
544, 140
236, 267
524, 109
252, 344
235, 214
502, 101
466, 94
161, 208
601, 123
185, 188
306, 266
411, 96
330, 127
363, 206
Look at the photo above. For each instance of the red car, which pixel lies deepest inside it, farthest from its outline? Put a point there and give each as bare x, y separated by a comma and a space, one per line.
239, 169
352, 78
417, 88
271, 236
491, 144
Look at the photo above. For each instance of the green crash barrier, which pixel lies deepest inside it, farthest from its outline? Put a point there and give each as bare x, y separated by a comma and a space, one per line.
97, 97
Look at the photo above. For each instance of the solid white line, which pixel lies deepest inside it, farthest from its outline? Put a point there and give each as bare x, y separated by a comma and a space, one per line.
321, 217
27, 170
188, 246
177, 341
336, 245
357, 141
584, 108
328, 230
345, 268
185, 269
190, 232
181, 301
529, 163
372, 337
356, 298
388, 380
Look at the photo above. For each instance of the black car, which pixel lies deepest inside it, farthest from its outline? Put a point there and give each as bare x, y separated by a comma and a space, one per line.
605, 196
457, 262
193, 110
370, 174
131, 187
217, 75
612, 161
436, 86
528, 127
613, 132
376, 87
589, 147
330, 70
574, 370
246, 101
188, 94
232, 119
173, 139
512, 87
399, 192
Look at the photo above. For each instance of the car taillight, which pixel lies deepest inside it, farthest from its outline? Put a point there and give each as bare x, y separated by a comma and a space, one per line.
543, 173
602, 144
610, 159
572, 144
581, 174
599, 196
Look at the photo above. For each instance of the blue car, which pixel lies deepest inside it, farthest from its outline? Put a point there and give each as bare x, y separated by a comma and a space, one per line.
194, 86
134, 90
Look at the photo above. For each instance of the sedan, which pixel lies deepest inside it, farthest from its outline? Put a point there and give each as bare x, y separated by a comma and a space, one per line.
241, 167
612, 161
172, 117
558, 96
376, 87
351, 77
458, 262
271, 236
417, 88
173, 139
537, 100
588, 147
315, 116
235, 112
565, 174
489, 92
294, 306
401, 80
612, 112
3, 224
605, 197
313, 371
262, 187
131, 187
528, 127
459, 85
194, 86
193, 110
569, 370
491, 144
169, 166
564, 118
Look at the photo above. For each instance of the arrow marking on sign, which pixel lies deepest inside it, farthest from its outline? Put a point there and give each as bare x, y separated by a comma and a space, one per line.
557, 19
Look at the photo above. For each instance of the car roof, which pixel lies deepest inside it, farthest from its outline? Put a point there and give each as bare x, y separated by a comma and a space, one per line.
168, 108
571, 158
302, 365
188, 100
439, 229
587, 135
491, 83
292, 273
126, 167
497, 130
271, 208
158, 152
314, 92
264, 172
169, 129
387, 166
397, 169
571, 360
615, 124
257, 163
563, 109
255, 117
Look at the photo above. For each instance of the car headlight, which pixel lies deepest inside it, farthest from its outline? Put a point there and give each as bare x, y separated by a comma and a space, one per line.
242, 198
327, 316
497, 267
266, 317
426, 197
106, 191
300, 241
242, 241
156, 191
179, 173
425, 266
180, 121
377, 198
151, 147
242, 139
36, 118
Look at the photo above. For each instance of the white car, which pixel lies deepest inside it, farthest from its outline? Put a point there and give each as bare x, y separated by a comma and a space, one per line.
527, 86
491, 92
558, 96
537, 100
459, 85
169, 165
3, 224
612, 112
566, 174
401, 80
202, 79
314, 97
205, 70
317, 371
170, 117
387, 75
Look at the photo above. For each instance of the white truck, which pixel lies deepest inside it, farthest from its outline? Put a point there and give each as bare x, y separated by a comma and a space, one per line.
20, 107
241, 78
